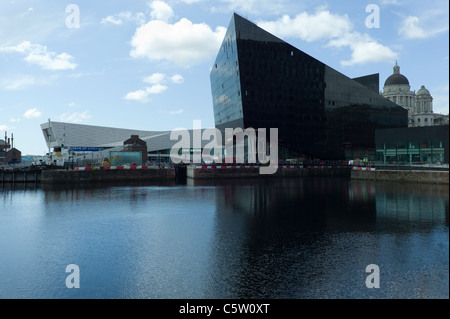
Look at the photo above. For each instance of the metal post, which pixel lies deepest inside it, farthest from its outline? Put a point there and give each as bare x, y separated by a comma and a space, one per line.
431, 146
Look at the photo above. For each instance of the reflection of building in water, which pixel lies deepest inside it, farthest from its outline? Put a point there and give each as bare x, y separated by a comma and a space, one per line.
404, 203
270, 235
308, 204
261, 198
361, 191
421, 205
283, 196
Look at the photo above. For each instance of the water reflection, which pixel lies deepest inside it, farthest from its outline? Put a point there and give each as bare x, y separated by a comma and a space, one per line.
414, 204
252, 238
313, 238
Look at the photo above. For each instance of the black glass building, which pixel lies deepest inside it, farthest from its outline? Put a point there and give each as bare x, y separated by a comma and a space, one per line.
260, 81
412, 145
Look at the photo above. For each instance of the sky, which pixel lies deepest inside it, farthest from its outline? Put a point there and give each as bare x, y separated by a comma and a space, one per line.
145, 64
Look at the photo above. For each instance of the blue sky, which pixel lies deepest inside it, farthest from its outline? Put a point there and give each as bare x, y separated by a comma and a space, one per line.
145, 64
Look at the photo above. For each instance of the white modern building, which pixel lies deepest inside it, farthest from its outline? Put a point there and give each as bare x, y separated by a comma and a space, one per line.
419, 104
95, 143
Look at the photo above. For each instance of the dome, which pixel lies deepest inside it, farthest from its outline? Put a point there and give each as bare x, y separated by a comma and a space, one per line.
396, 79
423, 91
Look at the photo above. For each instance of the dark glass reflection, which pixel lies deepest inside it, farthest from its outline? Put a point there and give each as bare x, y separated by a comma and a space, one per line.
260, 81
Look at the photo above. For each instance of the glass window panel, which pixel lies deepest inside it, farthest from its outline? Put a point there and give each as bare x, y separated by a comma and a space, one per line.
401, 146
438, 157
436, 144
415, 158
403, 159
425, 145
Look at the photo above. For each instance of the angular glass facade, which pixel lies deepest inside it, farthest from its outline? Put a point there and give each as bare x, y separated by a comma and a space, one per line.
260, 81
225, 83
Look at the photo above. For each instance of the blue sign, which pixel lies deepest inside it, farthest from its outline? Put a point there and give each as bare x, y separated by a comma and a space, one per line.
86, 149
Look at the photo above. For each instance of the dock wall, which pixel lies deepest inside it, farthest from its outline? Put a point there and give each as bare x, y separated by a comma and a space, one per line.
211, 172
413, 176
74, 176
20, 176
202, 172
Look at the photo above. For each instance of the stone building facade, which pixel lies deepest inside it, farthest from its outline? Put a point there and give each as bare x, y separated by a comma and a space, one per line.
419, 104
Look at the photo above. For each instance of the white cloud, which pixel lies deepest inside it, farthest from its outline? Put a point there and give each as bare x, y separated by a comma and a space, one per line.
143, 96
155, 78
177, 79
19, 82
336, 29
159, 78
364, 49
412, 28
14, 120
138, 96
6, 128
24, 81
390, 2
112, 20
27, 12
161, 11
191, 1
176, 112
32, 114
309, 27
156, 89
183, 42
51, 61
75, 117
39, 55
253, 7
123, 17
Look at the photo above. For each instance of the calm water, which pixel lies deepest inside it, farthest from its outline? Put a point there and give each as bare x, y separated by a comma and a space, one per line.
280, 238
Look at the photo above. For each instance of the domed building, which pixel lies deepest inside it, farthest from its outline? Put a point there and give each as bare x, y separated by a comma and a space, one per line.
423, 115
419, 105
